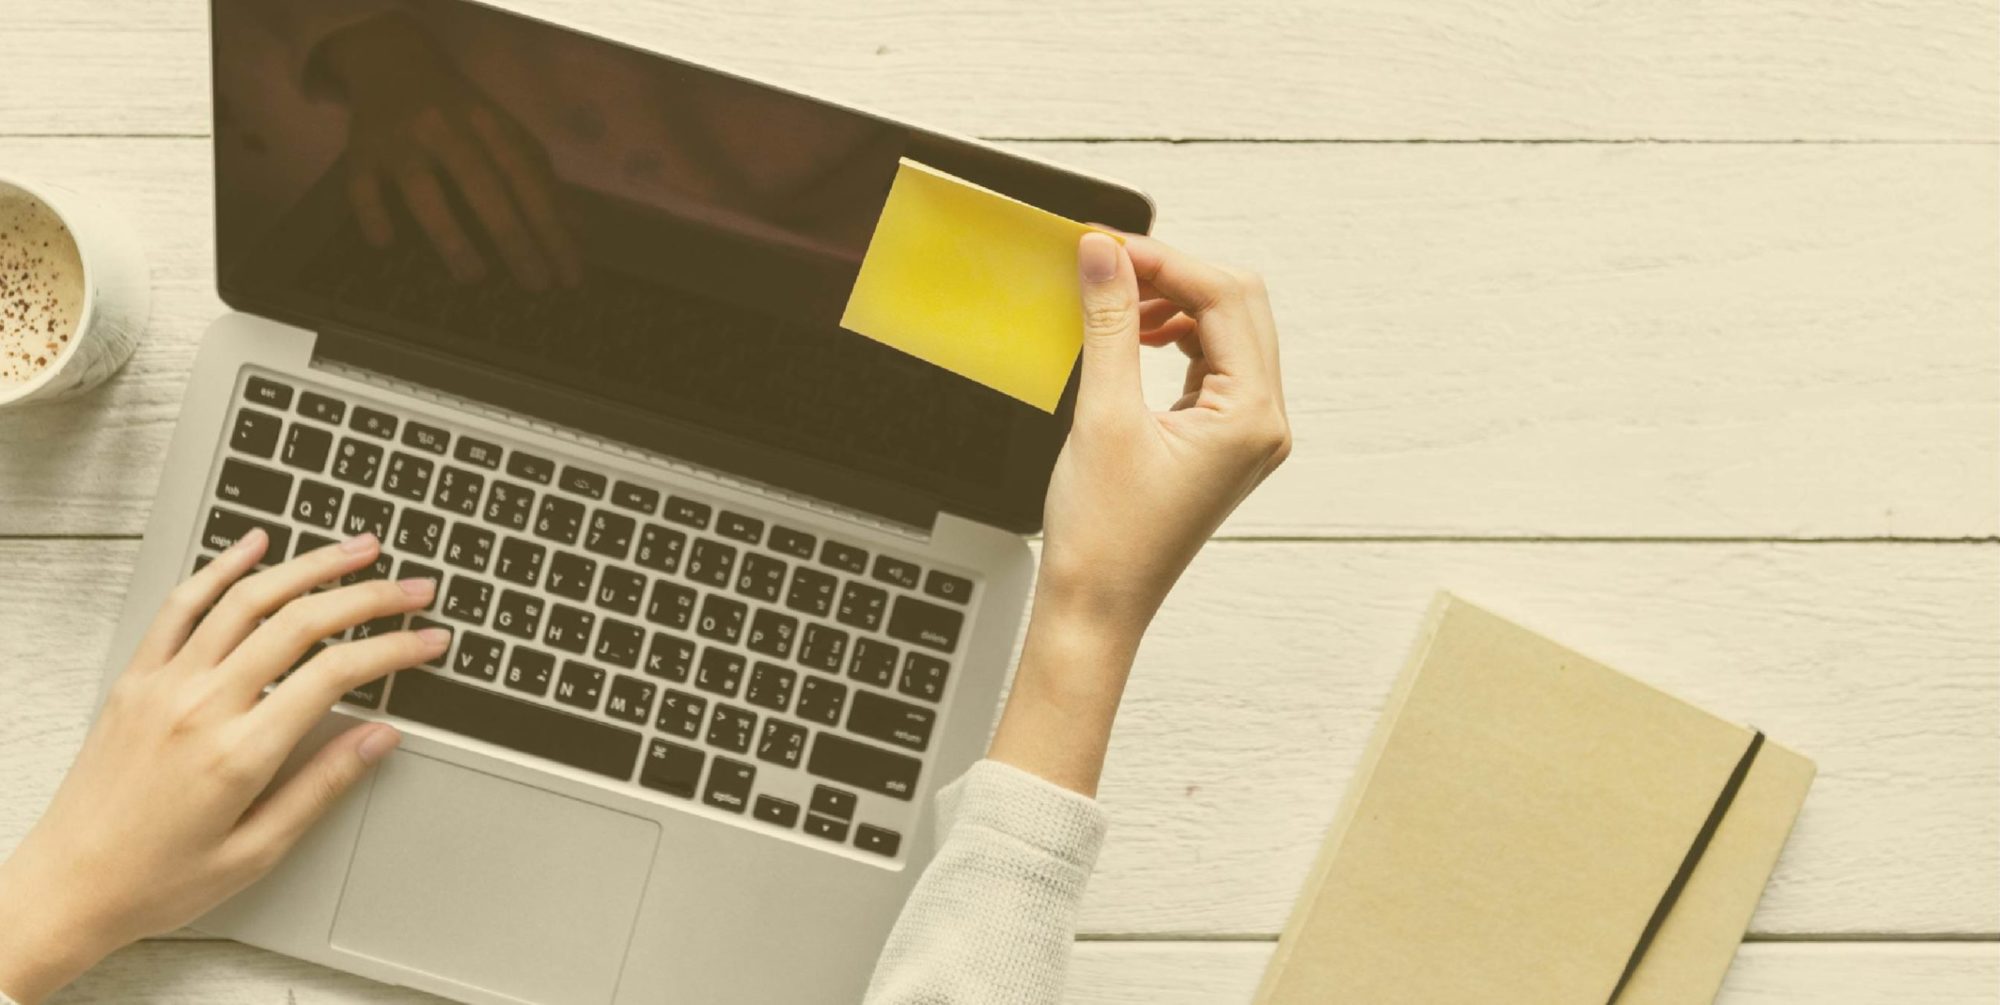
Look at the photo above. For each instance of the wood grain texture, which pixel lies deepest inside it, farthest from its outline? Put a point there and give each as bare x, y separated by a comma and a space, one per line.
1160, 973
1319, 69
1264, 674
1566, 340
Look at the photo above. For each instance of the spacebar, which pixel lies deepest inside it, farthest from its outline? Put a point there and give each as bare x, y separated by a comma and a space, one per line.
422, 696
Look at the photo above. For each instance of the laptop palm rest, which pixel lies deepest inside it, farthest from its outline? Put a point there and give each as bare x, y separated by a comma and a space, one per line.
492, 884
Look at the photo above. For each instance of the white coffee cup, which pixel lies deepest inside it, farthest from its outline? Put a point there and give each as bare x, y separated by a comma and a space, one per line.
117, 296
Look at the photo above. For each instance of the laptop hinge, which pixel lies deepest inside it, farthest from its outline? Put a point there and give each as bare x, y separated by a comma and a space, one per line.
894, 512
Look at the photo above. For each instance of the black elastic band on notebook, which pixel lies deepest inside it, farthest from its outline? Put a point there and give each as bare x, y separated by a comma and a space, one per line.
1695, 850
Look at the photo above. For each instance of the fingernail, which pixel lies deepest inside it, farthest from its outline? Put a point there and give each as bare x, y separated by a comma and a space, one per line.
378, 742
436, 638
358, 543
1097, 257
418, 587
249, 541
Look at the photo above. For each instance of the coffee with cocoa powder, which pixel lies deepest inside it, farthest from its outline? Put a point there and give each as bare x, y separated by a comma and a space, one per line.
41, 288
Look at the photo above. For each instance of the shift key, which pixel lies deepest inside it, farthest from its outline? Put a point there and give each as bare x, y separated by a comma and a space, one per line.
851, 762
249, 485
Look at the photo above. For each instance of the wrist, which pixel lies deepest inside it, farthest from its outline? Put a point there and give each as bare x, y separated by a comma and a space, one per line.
44, 944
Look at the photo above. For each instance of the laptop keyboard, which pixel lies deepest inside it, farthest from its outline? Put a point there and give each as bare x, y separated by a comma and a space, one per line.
618, 627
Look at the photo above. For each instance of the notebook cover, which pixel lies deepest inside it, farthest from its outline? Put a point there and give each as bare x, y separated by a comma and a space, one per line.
1517, 822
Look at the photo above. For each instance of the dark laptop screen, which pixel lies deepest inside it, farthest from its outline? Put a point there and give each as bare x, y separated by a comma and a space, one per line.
639, 230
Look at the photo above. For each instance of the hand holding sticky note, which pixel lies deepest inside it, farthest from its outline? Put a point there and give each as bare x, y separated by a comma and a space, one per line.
975, 282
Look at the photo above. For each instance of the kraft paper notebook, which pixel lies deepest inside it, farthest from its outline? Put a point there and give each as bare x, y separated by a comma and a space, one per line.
1529, 826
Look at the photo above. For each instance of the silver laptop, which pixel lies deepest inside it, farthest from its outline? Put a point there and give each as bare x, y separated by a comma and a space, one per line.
733, 590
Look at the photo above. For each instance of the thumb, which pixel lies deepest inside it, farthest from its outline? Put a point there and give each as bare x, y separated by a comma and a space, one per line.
271, 828
1110, 378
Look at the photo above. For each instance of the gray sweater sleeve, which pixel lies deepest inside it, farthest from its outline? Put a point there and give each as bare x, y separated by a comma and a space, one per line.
993, 917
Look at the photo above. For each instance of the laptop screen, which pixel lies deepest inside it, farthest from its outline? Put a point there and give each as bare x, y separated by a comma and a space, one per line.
631, 228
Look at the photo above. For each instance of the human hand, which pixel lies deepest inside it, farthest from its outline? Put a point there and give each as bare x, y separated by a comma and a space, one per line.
415, 123
160, 818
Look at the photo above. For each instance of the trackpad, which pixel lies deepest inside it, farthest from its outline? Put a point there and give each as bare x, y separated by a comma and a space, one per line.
492, 884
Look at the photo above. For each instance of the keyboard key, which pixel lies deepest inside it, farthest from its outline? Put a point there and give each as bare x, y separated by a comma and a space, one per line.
811, 592
539, 470
610, 534
688, 512
879, 840
467, 599
307, 542
621, 590
581, 685
356, 462
248, 485
879, 717
477, 656
739, 527
945, 586
711, 562
529, 670
314, 405
583, 482
307, 447
560, 519
631, 700
826, 827
570, 575
773, 810
618, 643
731, 728
378, 569
672, 768
255, 432
265, 391
681, 713
520, 561
923, 676
721, 672
660, 548
861, 606
925, 624
772, 634
584, 744
368, 695
821, 701
792, 541
426, 438
417, 532
367, 515
377, 627
721, 618
874, 662
458, 492
509, 504
469, 547
635, 497
822, 647
372, 422
417, 570
863, 766
761, 577
671, 605
896, 571
729, 784
478, 452
408, 476
844, 557
669, 656
836, 803
318, 504
569, 628
771, 686
782, 742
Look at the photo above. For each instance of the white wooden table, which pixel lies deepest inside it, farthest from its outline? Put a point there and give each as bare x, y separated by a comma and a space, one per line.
1669, 329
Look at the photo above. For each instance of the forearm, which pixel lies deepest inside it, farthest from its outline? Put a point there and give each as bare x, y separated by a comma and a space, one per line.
1074, 664
39, 951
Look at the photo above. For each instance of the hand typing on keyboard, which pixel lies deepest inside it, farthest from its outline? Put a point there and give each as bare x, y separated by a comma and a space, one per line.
1137, 492
161, 817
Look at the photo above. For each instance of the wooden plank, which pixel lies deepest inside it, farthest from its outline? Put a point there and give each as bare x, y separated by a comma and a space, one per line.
1552, 340
1263, 676
1351, 69
1102, 973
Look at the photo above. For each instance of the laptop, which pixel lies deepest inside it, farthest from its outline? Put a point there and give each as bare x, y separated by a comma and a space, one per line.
733, 591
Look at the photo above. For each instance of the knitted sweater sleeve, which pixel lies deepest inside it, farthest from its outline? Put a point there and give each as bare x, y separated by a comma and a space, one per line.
993, 917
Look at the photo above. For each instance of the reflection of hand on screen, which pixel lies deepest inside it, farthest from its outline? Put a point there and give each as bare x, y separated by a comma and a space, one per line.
416, 125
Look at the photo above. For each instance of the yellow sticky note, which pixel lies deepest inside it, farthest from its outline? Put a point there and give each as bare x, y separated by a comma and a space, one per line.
975, 282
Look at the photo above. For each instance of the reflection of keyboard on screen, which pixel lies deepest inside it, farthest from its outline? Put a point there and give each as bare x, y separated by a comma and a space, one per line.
619, 628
